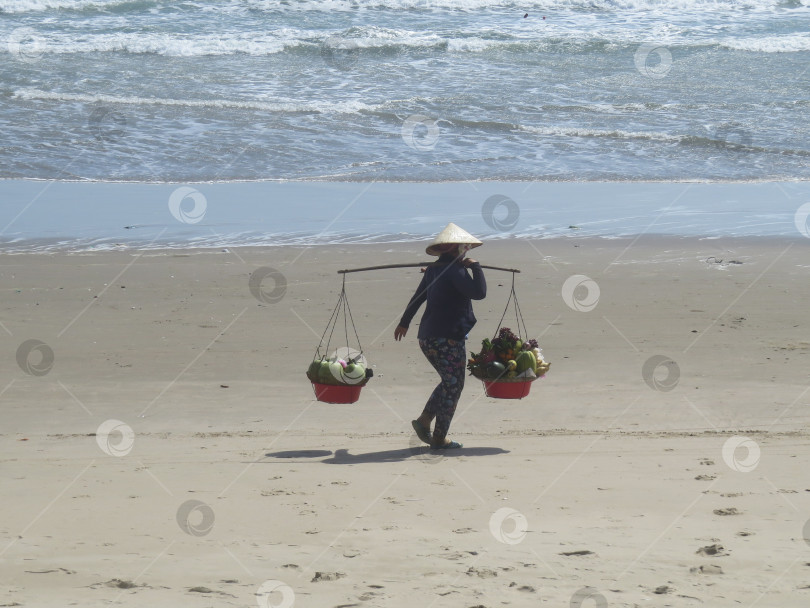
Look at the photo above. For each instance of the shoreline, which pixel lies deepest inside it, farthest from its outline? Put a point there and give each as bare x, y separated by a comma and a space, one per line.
82, 216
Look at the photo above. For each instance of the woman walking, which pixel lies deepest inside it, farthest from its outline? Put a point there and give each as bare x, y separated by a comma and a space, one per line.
448, 290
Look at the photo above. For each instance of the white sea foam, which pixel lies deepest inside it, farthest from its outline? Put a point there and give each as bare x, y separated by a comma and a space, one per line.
324, 107
371, 38
790, 43
30, 6
611, 133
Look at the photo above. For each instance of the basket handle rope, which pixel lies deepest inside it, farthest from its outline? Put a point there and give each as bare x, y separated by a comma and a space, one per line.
520, 324
341, 306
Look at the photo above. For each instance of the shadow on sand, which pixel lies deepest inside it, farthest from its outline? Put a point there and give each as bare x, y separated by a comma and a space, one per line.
343, 456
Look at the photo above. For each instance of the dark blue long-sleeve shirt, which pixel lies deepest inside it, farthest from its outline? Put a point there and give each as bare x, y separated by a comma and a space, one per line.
449, 291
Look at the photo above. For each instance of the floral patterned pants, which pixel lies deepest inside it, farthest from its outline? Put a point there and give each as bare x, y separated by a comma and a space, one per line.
449, 358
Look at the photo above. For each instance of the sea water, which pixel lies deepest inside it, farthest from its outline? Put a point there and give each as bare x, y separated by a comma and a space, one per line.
418, 90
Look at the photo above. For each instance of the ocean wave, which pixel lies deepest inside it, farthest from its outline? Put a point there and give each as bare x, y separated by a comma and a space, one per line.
388, 41
729, 137
320, 107
610, 133
791, 43
118, 6
520, 5
36, 6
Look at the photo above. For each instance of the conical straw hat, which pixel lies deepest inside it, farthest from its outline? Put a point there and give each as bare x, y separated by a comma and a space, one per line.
452, 235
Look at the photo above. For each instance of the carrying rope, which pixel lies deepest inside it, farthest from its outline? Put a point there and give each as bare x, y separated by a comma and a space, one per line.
518, 314
341, 306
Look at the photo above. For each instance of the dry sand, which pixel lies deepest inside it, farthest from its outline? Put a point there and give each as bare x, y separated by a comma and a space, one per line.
599, 485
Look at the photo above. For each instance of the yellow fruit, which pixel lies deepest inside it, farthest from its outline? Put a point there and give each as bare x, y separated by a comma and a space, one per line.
511, 364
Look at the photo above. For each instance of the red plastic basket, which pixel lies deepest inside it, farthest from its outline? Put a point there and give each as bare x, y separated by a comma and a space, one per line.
507, 390
336, 393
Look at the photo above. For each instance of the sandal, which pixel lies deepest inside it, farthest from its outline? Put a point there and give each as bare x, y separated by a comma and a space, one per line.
447, 446
421, 432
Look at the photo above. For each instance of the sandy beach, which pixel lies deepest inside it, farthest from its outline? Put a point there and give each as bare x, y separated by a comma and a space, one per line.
161, 445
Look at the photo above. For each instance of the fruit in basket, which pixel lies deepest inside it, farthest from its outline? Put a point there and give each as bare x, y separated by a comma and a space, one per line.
324, 373
496, 369
354, 373
507, 356
314, 368
336, 370
526, 360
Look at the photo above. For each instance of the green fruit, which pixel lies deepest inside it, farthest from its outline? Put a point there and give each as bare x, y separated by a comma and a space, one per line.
495, 370
518, 345
336, 371
314, 368
324, 374
354, 373
526, 360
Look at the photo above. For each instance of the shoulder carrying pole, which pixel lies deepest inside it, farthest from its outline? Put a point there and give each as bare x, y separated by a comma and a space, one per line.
415, 265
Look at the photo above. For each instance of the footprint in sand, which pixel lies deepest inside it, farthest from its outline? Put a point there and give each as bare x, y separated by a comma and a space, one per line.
326, 576
524, 588
481, 572
119, 584
709, 569
712, 550
727, 511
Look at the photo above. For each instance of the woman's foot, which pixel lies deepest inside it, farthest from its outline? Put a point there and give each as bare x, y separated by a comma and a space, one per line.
422, 431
